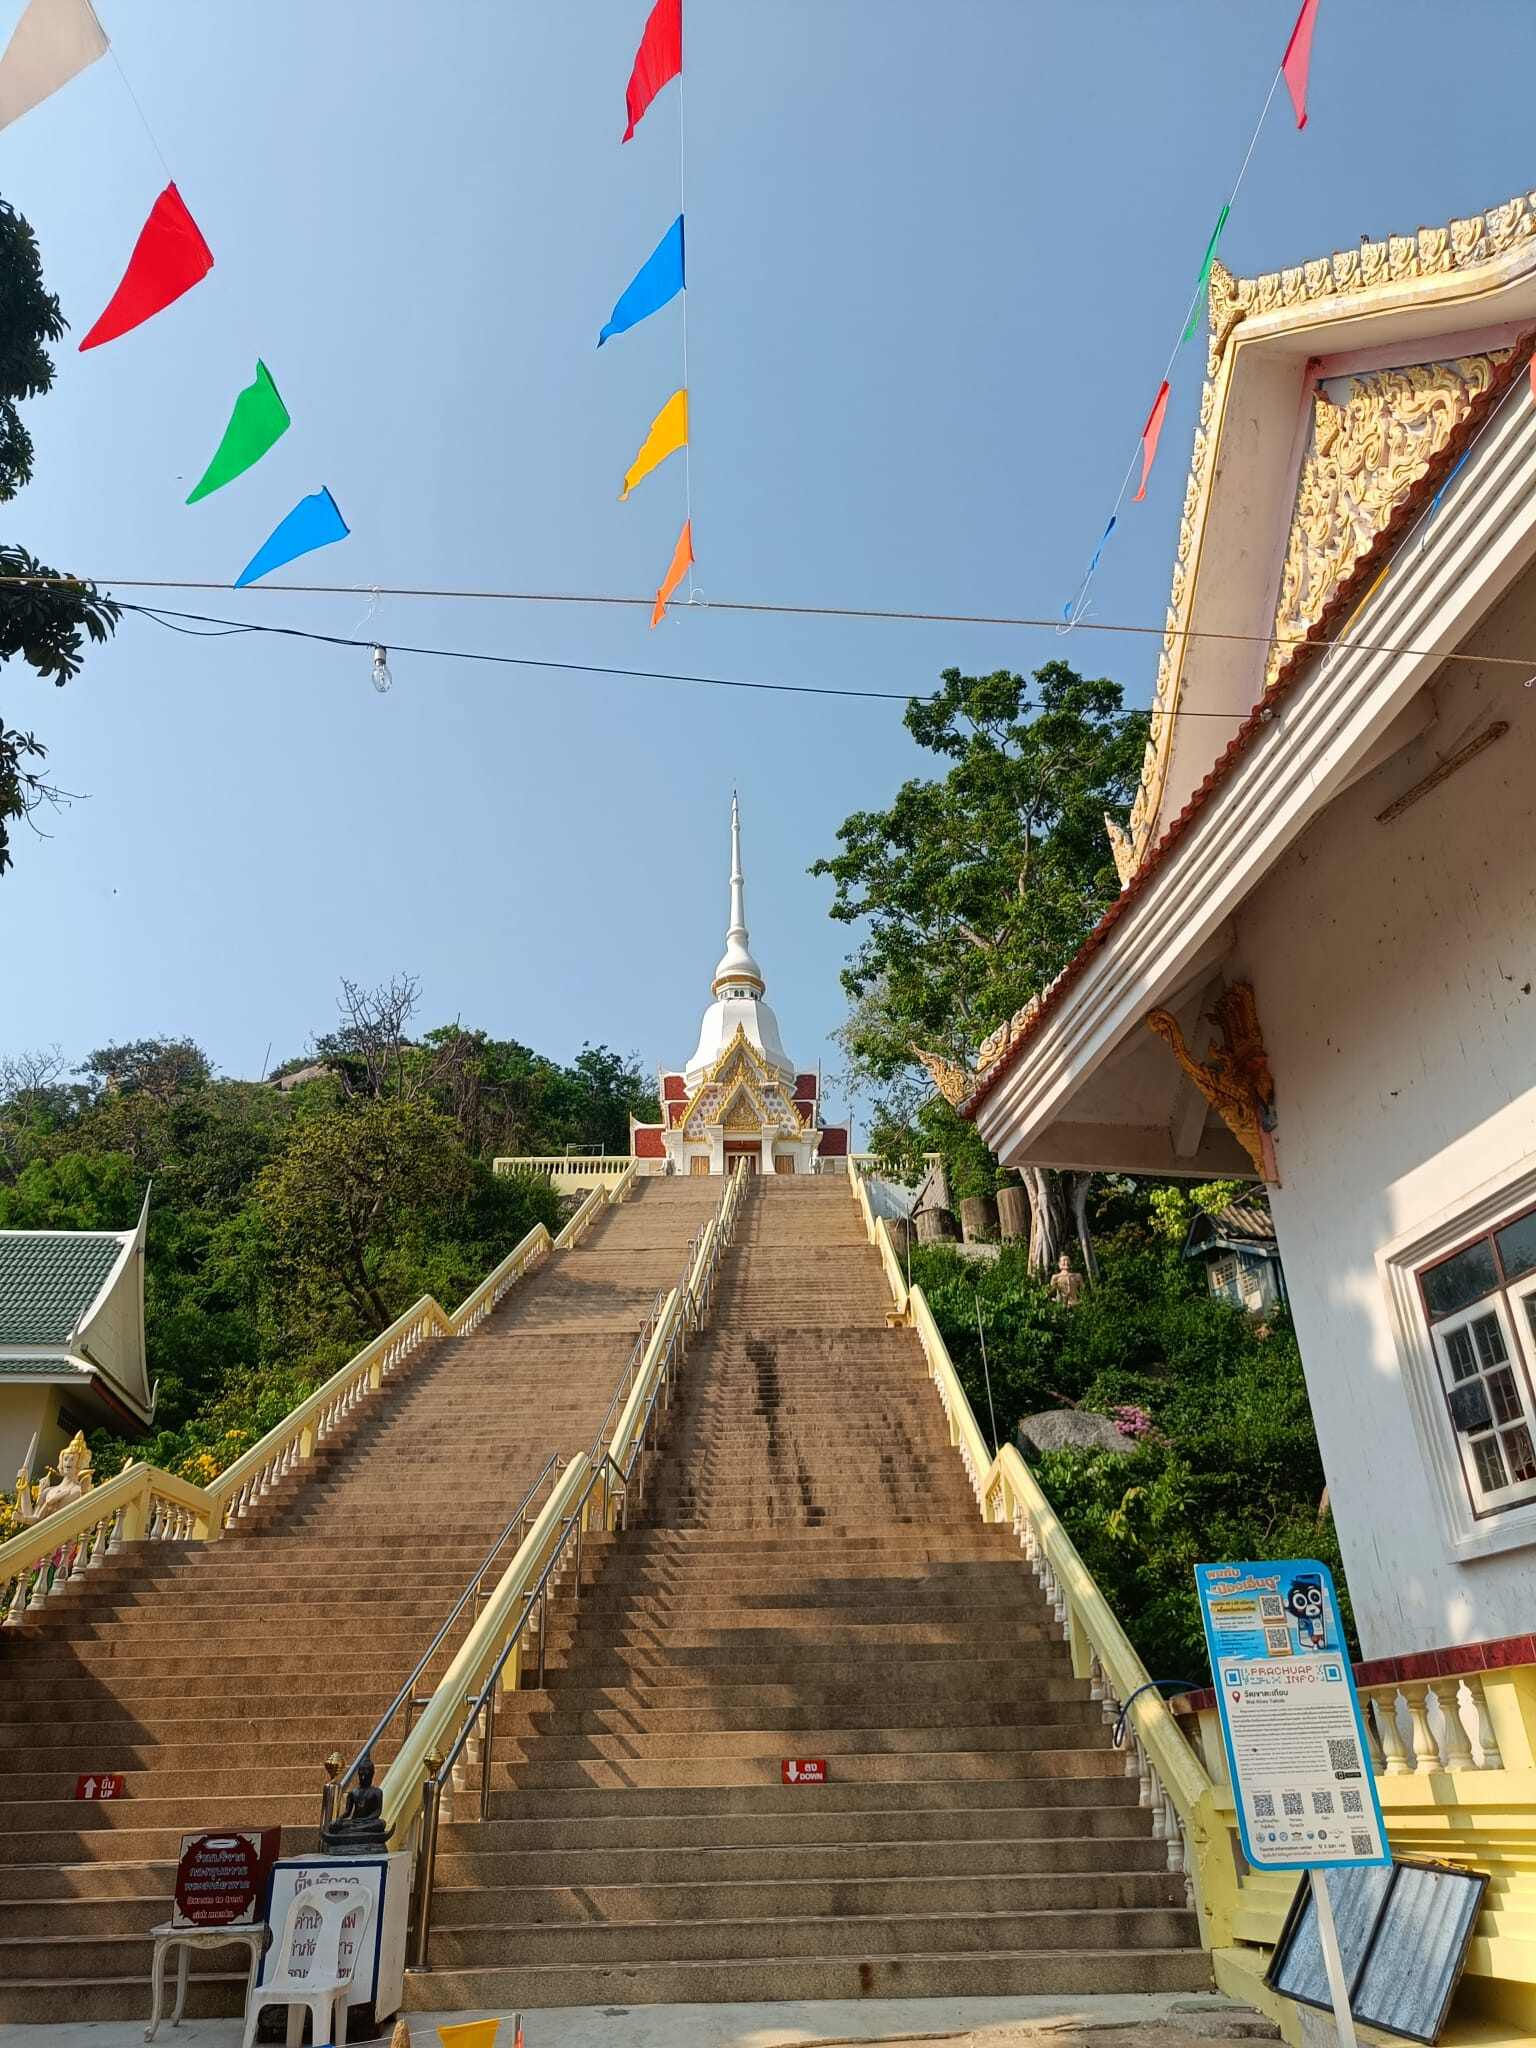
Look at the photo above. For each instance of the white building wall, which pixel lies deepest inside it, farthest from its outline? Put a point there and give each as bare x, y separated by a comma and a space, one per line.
1395, 970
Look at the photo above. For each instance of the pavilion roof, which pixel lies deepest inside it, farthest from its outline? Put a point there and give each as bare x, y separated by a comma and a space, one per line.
50, 1278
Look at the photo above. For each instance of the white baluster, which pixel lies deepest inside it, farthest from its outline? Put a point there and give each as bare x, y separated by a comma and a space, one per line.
101, 1536
1095, 1677
1487, 1740
115, 1546
1158, 1801
1399, 1762
1144, 1773
11, 1600
1456, 1748
1426, 1751
39, 1585
1372, 1739
82, 1554
1175, 1836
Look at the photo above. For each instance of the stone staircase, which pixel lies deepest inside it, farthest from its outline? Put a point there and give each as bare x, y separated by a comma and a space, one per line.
809, 1578
216, 1677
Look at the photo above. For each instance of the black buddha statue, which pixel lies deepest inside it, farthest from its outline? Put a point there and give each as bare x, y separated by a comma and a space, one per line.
359, 1828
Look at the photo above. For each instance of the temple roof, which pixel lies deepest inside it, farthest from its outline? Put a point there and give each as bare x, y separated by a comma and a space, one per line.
49, 1280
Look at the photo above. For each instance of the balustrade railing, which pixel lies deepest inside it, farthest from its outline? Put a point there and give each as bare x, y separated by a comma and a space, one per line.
456, 1731
144, 1503
569, 1167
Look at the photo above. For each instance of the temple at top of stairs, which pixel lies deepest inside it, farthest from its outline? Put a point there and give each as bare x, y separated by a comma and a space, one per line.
739, 1096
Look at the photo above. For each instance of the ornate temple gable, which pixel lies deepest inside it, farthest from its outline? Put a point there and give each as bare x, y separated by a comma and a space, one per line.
1371, 443
1377, 276
743, 1092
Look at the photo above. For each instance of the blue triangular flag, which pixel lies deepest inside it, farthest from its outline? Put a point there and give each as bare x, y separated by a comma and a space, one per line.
658, 279
313, 523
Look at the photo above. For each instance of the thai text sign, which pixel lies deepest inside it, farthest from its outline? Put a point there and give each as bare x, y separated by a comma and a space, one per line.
805, 1770
220, 1878
99, 1785
1290, 1718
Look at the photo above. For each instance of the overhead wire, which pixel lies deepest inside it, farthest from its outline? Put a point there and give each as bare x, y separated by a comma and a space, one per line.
754, 607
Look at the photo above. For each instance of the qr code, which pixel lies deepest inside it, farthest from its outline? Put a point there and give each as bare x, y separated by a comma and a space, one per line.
1343, 1756
1263, 1805
1292, 1803
1362, 1844
1277, 1641
1354, 1802
1322, 1802
1271, 1607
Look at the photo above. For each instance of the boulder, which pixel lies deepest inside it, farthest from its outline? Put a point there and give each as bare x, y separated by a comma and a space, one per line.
1070, 1429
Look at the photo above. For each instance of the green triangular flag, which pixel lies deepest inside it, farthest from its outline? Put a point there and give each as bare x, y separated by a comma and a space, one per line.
1203, 280
259, 418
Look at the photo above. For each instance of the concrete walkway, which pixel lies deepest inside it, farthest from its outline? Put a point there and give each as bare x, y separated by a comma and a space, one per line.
1162, 2020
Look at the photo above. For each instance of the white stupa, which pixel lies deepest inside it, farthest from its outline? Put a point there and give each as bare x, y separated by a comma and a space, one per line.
739, 1096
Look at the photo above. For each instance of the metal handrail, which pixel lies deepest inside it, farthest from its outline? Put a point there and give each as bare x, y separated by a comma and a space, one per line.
627, 1376
337, 1786
480, 1710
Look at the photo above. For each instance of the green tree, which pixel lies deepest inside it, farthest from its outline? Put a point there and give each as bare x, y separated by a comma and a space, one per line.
46, 621
343, 1196
974, 889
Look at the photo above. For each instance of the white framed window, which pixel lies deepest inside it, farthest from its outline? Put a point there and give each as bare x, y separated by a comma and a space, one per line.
1224, 1280
1479, 1303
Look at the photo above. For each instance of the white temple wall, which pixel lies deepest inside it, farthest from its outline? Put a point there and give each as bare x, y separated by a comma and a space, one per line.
1395, 971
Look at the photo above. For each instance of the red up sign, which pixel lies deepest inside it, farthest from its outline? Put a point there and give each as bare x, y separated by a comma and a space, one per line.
99, 1785
805, 1770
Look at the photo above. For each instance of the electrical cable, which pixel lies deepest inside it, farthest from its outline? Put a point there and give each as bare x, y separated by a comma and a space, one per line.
161, 615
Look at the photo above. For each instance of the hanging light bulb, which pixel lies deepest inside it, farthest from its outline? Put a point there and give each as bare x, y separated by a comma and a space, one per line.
383, 681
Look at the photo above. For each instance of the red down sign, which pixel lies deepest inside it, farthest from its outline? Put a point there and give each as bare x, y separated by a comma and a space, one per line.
805, 1770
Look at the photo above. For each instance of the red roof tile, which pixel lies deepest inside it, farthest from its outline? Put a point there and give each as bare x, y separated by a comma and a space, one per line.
805, 1088
1297, 666
645, 1142
674, 1088
834, 1141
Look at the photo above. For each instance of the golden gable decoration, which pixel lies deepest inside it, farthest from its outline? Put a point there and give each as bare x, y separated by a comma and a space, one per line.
1365, 455
1382, 269
1234, 1078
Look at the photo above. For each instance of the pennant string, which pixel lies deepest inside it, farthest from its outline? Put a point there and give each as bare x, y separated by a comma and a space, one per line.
1074, 611
154, 142
682, 207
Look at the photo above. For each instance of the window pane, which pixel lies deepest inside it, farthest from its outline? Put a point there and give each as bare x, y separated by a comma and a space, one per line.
1517, 1245
1520, 1452
1458, 1349
1490, 1341
1504, 1395
1458, 1282
1469, 1406
1490, 1466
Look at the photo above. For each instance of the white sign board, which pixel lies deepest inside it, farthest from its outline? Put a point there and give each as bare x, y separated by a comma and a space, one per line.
378, 1977
1290, 1718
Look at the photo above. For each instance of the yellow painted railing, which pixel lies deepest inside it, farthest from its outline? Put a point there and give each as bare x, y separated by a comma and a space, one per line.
39, 1563
1172, 1781
568, 1167
1455, 1758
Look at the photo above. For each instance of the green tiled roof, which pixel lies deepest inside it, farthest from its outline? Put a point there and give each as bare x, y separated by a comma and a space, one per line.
57, 1364
49, 1278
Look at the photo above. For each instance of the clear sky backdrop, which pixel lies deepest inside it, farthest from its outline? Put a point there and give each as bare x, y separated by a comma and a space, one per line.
936, 257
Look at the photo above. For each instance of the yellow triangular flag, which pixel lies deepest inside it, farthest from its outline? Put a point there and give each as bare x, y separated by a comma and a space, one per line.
469, 2034
669, 432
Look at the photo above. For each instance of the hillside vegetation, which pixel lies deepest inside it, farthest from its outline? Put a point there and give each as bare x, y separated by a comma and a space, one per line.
288, 1226
1223, 1457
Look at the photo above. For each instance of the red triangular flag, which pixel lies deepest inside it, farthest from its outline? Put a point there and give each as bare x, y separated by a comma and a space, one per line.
1149, 434
1297, 61
1533, 376
169, 257
659, 58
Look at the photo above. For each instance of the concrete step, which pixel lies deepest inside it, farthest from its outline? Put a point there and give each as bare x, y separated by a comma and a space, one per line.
813, 1974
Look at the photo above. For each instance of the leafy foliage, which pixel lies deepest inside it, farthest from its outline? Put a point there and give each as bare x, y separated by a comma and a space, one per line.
974, 889
1230, 1466
46, 622
288, 1226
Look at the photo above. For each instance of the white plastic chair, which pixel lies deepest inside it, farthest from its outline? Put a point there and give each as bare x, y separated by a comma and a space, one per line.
313, 1980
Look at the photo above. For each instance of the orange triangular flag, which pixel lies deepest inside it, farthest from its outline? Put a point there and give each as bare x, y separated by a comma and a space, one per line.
682, 562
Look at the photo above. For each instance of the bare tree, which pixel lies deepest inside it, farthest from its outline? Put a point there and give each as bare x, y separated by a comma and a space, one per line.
368, 1049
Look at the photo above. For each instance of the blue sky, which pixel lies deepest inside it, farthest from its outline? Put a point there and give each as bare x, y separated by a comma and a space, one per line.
936, 259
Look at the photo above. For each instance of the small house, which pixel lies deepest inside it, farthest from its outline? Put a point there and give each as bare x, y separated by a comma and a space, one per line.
1237, 1247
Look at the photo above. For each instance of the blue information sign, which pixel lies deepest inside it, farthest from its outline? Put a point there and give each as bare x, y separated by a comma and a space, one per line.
1290, 1716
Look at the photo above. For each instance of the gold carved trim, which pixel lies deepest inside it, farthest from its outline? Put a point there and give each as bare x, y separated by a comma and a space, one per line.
1365, 455
953, 1081
1234, 1078
1379, 269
